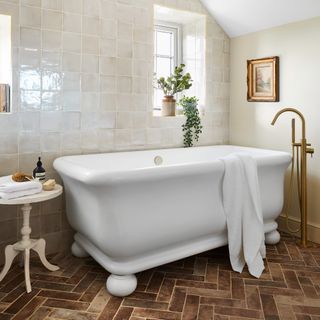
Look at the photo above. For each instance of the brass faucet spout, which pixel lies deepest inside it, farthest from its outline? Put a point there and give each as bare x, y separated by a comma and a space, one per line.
295, 111
305, 148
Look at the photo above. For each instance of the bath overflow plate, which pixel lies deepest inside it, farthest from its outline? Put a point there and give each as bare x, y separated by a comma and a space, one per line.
158, 160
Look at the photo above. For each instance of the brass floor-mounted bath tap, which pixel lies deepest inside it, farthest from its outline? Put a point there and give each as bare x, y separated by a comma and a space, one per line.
303, 148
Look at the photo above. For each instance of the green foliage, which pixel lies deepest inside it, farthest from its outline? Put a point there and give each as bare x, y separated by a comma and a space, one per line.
176, 82
192, 127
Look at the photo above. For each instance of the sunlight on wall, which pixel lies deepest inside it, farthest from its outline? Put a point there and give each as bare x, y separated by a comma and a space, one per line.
194, 57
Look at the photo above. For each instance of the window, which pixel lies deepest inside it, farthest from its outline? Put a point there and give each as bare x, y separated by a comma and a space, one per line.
167, 52
5, 63
179, 37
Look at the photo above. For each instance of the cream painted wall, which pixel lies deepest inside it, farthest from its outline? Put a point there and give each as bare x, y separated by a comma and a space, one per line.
298, 47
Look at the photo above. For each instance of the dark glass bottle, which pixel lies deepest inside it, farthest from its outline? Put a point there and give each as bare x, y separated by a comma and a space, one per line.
39, 171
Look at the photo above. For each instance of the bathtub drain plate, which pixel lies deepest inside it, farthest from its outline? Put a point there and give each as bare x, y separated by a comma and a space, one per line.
158, 160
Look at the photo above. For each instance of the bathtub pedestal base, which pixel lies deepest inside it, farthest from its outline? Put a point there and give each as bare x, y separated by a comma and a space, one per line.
78, 251
121, 286
272, 237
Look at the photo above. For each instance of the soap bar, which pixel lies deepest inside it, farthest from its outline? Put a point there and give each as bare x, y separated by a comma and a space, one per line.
49, 185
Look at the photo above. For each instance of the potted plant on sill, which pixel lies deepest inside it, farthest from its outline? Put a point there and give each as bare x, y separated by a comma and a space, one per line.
192, 127
175, 83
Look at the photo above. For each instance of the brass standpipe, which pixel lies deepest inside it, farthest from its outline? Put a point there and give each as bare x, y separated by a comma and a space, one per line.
304, 149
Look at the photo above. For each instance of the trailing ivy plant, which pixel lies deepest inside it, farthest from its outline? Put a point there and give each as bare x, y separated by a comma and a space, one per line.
175, 83
192, 127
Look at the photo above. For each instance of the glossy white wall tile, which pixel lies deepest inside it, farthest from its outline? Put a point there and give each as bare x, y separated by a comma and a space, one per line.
82, 82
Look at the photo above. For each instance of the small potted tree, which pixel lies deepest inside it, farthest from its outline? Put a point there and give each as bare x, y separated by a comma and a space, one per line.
175, 83
192, 127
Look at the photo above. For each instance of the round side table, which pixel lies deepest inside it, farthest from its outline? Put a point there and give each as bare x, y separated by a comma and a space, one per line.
26, 244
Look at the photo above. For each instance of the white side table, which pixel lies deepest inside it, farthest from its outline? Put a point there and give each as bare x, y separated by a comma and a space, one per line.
26, 244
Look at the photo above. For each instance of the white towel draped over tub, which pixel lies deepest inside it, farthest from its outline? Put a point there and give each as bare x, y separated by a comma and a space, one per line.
10, 189
242, 205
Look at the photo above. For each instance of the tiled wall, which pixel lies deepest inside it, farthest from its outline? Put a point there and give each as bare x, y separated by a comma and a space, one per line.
83, 83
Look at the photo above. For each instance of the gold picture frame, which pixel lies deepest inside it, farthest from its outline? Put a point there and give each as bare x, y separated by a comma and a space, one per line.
263, 79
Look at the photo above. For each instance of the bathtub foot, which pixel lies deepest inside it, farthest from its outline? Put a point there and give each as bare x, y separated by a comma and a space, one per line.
121, 286
78, 251
272, 237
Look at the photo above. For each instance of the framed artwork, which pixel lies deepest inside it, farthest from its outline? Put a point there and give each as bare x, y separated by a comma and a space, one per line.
263, 79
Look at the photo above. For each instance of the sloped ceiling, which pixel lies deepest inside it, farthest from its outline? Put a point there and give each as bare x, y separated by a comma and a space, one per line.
239, 17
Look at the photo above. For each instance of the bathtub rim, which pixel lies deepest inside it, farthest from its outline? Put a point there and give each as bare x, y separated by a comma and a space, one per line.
75, 171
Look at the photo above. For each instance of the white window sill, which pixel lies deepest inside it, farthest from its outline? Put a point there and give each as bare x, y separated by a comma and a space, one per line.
157, 113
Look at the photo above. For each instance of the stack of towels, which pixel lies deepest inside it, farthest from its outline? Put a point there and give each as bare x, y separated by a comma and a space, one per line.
10, 189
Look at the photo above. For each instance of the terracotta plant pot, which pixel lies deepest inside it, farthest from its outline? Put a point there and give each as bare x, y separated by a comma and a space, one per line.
168, 106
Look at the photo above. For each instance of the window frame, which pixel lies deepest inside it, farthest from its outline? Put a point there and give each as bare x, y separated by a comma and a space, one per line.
6, 62
176, 29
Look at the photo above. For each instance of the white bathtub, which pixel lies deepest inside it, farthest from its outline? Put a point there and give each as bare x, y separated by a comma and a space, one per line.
131, 214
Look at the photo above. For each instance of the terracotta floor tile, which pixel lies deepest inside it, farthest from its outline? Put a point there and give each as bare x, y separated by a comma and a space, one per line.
196, 284
166, 290
123, 313
222, 302
110, 309
200, 266
191, 307
237, 291
92, 291
156, 314
224, 280
66, 304
100, 301
291, 279
307, 309
15, 307
178, 299
205, 312
253, 297
41, 313
285, 311
29, 309
201, 287
14, 294
155, 282
245, 313
59, 295
129, 302
5, 316
72, 315
143, 295
269, 306
212, 273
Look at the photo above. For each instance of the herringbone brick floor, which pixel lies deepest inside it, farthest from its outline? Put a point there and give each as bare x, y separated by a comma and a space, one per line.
200, 287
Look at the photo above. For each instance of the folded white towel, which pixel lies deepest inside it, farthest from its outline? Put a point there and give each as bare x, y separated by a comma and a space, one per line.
7, 185
242, 205
10, 189
19, 194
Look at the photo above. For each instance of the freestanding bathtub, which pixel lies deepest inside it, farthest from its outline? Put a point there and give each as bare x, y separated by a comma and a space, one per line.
136, 210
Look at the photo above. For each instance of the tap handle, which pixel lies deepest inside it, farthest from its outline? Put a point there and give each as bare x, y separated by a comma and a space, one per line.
293, 130
310, 151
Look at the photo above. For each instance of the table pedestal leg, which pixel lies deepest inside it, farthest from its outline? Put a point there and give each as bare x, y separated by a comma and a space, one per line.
27, 269
39, 248
24, 246
10, 254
